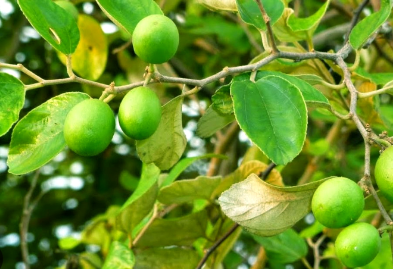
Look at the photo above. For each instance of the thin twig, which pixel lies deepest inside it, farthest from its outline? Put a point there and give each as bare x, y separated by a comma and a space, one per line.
147, 225
268, 26
355, 18
216, 245
315, 246
267, 171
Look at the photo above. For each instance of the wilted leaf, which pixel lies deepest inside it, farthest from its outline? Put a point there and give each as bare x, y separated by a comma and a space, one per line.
141, 201
12, 97
266, 209
285, 247
185, 229
165, 147
89, 58
53, 23
212, 121
120, 256
188, 190
166, 258
38, 137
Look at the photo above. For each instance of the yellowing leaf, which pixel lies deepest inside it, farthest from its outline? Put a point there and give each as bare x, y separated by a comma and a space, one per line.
89, 58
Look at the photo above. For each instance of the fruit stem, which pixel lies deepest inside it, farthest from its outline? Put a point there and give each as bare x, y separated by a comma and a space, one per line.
387, 228
149, 73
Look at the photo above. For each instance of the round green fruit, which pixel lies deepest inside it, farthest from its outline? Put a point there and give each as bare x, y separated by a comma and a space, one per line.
384, 173
155, 39
358, 244
140, 113
337, 202
89, 127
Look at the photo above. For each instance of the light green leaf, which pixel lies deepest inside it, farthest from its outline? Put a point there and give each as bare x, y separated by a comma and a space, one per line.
377, 78
212, 121
222, 101
119, 257
285, 247
266, 209
251, 14
12, 97
38, 137
188, 190
89, 58
267, 111
127, 13
165, 147
68, 242
69, 7
227, 5
184, 163
141, 201
186, 229
307, 25
369, 25
310, 78
55, 24
166, 258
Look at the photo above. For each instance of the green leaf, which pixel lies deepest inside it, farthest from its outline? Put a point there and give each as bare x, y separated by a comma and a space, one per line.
188, 190
53, 23
68, 242
266, 209
38, 137
12, 97
184, 163
222, 101
166, 258
371, 204
285, 247
251, 14
227, 5
369, 25
308, 25
119, 257
186, 229
141, 201
377, 78
165, 147
127, 13
267, 111
89, 58
310, 78
212, 121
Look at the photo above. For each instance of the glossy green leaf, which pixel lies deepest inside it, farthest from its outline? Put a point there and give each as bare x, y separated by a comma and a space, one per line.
267, 111
166, 258
38, 137
89, 58
307, 25
53, 23
222, 101
266, 209
12, 98
188, 190
184, 163
187, 229
141, 201
120, 256
369, 25
212, 121
166, 146
227, 5
285, 247
251, 14
127, 13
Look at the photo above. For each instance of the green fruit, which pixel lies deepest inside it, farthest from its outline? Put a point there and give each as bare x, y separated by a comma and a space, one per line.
337, 202
140, 113
358, 244
89, 127
384, 173
155, 39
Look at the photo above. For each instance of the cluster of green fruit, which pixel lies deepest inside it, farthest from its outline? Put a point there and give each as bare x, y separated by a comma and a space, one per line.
90, 125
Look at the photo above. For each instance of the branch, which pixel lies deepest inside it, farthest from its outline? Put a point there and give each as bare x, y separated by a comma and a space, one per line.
315, 246
268, 26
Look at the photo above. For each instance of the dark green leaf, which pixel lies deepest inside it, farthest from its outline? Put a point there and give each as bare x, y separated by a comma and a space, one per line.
166, 146
285, 247
188, 190
266, 209
120, 256
55, 24
222, 101
141, 201
127, 13
38, 137
166, 258
267, 111
12, 97
212, 121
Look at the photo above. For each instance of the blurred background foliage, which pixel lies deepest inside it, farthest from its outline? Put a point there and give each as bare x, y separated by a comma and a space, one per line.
77, 189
